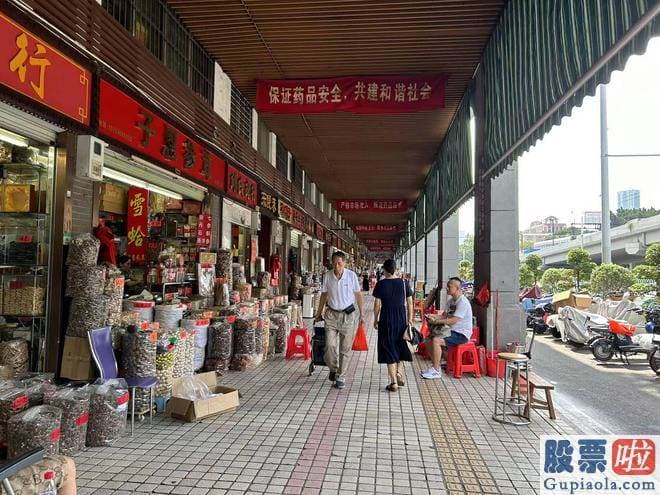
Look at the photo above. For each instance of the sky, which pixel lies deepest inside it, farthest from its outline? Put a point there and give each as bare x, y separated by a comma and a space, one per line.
560, 175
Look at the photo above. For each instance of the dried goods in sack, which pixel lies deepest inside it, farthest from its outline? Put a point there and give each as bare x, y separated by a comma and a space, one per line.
205, 279
108, 408
184, 350
245, 291
87, 280
144, 309
244, 343
259, 337
169, 316
114, 289
13, 400
35, 385
238, 275
15, 354
283, 326
264, 323
222, 294
164, 373
220, 345
139, 352
74, 403
88, 312
83, 251
199, 327
223, 266
229, 311
36, 428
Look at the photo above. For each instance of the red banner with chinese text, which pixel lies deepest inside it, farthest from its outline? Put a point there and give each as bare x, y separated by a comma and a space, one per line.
204, 231
136, 224
125, 120
298, 219
379, 242
369, 94
241, 187
372, 205
36, 70
366, 229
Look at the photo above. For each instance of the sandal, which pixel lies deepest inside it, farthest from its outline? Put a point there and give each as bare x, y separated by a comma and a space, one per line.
392, 387
399, 380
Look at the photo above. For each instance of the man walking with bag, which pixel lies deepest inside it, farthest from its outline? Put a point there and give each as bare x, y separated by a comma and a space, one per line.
340, 293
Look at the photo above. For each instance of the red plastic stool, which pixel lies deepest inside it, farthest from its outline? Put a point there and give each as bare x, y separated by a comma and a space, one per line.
465, 360
294, 348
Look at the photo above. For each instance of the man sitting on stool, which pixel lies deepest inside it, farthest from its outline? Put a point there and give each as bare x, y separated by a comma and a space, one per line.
459, 319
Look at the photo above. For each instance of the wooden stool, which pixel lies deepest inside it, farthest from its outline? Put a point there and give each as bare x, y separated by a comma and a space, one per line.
536, 382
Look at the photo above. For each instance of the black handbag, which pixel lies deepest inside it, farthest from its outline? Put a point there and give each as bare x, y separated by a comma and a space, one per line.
412, 335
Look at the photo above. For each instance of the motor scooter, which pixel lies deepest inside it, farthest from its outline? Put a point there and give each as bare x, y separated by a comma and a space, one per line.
652, 316
617, 341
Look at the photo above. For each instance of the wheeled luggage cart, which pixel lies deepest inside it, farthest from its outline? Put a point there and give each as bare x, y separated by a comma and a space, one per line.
318, 347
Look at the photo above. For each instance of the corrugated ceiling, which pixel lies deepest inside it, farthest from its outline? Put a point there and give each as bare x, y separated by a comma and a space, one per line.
347, 155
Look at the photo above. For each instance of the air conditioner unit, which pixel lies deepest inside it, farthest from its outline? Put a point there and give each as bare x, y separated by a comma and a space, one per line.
89, 157
256, 220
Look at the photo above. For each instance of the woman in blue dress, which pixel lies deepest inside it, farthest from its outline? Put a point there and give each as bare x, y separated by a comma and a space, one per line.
393, 312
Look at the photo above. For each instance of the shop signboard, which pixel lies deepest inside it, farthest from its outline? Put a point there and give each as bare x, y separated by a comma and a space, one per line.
284, 211
136, 224
298, 219
372, 205
320, 232
35, 69
241, 187
372, 94
310, 225
125, 120
379, 242
365, 229
268, 202
204, 231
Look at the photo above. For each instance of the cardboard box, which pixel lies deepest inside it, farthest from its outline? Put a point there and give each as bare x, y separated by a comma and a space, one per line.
114, 199
188, 410
582, 301
208, 258
568, 298
77, 359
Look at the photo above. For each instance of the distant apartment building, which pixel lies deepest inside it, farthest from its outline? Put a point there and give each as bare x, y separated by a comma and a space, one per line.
628, 199
538, 230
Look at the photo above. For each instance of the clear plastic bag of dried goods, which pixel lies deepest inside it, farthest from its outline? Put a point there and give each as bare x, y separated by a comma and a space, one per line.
184, 350
164, 371
220, 345
263, 279
108, 408
83, 250
74, 403
265, 335
35, 384
238, 275
222, 293
114, 289
192, 388
205, 279
15, 354
139, 352
282, 325
88, 312
89, 280
169, 316
38, 427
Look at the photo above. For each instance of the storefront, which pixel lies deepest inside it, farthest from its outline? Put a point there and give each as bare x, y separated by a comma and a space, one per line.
283, 247
42, 94
160, 216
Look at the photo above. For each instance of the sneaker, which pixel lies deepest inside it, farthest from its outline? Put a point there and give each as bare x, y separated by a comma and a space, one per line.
432, 374
332, 376
427, 370
340, 384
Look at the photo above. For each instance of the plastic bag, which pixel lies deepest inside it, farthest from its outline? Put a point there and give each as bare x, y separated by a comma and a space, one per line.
74, 403
192, 388
35, 384
205, 279
108, 408
360, 340
15, 354
139, 353
38, 427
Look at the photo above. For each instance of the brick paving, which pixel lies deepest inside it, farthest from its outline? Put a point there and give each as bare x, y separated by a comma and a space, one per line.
295, 434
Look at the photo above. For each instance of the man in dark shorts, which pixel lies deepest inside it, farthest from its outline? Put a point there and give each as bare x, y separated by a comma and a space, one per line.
458, 318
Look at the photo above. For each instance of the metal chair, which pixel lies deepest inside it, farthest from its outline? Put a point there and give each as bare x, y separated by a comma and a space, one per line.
100, 342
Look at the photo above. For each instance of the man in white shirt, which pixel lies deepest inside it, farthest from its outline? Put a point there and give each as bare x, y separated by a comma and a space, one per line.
339, 294
458, 316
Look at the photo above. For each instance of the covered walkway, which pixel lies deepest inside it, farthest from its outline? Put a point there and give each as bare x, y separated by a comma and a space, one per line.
296, 434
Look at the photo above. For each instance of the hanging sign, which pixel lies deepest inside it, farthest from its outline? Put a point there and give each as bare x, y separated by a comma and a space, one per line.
35, 69
320, 232
136, 224
241, 187
204, 231
362, 229
377, 94
372, 205
298, 219
379, 242
125, 120
268, 202
284, 211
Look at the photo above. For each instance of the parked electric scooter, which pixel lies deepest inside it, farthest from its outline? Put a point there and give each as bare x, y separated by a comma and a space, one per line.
618, 342
536, 318
652, 316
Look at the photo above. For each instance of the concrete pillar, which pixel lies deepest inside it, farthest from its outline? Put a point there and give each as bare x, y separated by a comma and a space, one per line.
450, 255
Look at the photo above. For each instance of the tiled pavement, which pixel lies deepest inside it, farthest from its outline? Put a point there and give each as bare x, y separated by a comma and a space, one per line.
294, 434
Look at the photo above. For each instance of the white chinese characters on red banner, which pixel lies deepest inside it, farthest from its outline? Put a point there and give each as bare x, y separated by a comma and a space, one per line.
360, 229
379, 242
375, 94
372, 205
204, 229
136, 224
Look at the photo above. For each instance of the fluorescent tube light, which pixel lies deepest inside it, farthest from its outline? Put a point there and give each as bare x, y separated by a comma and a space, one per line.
132, 181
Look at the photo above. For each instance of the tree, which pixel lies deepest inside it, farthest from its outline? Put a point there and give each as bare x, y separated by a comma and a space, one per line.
622, 216
651, 268
580, 261
534, 262
608, 278
466, 248
526, 276
557, 279
466, 270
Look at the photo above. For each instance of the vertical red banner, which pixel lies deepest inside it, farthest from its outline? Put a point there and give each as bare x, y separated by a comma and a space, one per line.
136, 224
204, 230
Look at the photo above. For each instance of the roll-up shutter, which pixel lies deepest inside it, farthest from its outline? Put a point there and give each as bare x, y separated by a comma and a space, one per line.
27, 125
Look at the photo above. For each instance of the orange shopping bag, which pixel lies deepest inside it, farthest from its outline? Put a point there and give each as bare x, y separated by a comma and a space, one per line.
424, 330
360, 340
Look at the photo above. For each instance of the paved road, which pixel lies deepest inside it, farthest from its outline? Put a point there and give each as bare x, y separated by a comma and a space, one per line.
609, 396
